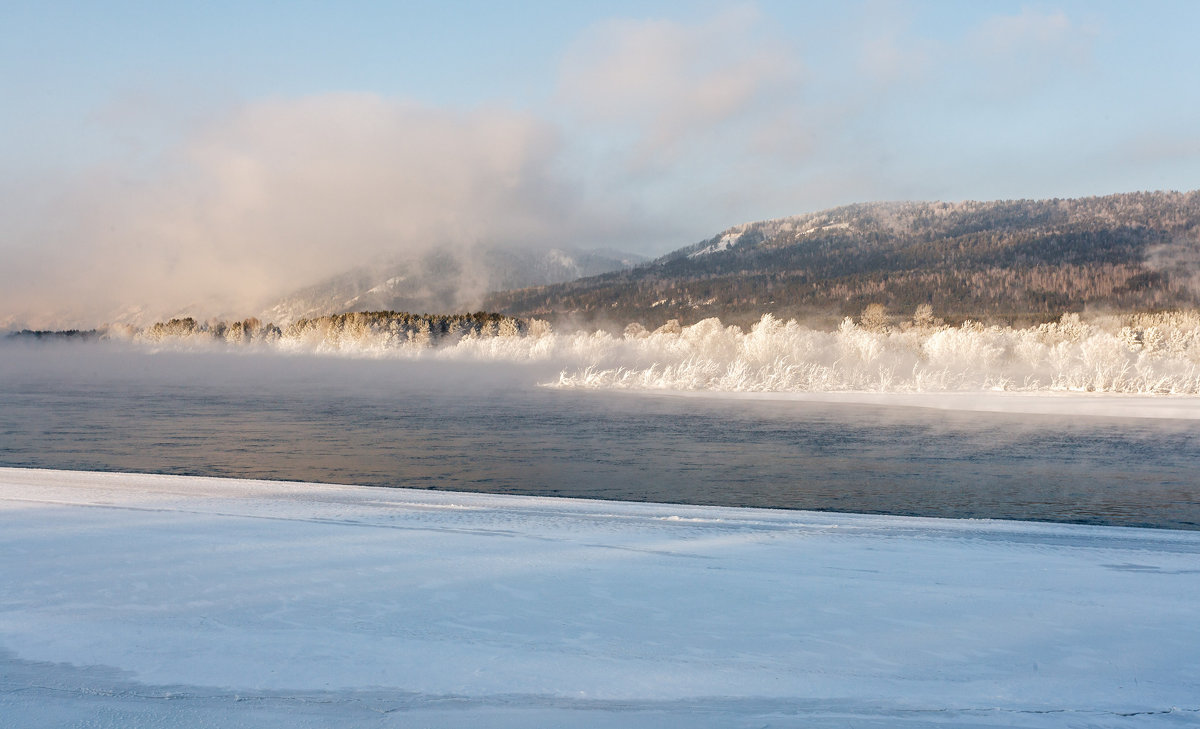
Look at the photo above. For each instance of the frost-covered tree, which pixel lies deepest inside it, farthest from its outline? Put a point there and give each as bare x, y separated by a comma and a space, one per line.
874, 318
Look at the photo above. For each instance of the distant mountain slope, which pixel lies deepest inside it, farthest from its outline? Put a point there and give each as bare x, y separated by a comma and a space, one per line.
1024, 259
442, 282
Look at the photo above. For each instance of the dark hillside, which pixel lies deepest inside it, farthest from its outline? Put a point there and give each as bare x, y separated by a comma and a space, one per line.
1010, 260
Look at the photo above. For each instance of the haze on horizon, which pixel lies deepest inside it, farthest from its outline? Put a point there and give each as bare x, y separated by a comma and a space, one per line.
207, 157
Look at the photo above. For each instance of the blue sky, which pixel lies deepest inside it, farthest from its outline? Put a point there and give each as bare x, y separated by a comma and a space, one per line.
142, 145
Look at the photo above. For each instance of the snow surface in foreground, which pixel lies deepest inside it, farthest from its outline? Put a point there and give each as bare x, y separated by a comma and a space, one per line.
139, 600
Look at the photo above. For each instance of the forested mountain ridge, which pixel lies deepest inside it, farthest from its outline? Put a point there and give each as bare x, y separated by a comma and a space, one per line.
442, 281
1005, 260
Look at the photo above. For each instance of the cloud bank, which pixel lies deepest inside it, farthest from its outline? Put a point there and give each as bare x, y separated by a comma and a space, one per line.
287, 191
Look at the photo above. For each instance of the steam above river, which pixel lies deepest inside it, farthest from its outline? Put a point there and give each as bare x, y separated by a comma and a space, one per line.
1145, 354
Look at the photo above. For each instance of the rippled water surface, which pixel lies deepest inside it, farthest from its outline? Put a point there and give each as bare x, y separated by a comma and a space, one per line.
489, 427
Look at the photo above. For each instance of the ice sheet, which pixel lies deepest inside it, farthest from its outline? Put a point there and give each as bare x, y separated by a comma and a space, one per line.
171, 601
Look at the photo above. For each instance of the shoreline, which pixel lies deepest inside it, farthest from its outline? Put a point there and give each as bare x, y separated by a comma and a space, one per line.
1056, 403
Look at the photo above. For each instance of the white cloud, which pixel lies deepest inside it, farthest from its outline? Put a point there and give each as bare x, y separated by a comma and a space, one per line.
886, 58
1028, 29
890, 51
285, 192
1001, 55
672, 81
1031, 45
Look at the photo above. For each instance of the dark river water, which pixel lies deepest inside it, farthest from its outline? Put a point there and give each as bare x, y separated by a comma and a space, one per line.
490, 427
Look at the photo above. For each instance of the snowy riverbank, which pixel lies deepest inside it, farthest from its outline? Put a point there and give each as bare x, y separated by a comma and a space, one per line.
1071, 404
138, 600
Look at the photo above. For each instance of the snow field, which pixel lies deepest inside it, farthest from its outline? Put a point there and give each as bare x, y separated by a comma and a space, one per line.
175, 601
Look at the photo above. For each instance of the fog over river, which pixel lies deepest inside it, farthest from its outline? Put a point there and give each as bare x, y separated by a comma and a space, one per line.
491, 426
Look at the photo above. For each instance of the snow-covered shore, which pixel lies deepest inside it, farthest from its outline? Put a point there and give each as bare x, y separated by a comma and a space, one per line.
1070, 404
141, 600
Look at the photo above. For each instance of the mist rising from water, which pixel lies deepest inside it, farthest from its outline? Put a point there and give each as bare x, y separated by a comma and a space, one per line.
1145, 354
1151, 356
